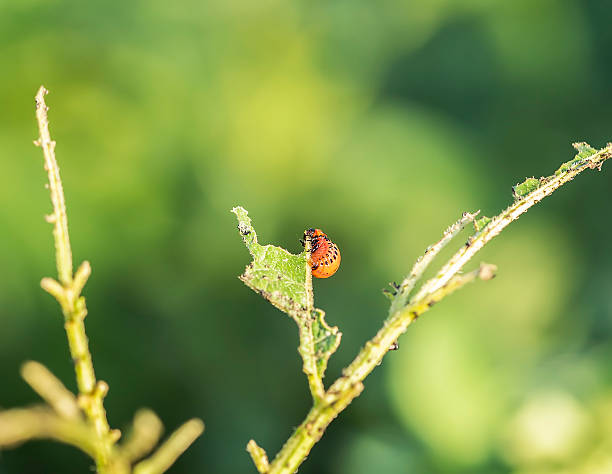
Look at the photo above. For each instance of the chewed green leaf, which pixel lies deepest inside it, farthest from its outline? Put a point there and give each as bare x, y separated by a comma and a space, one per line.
246, 228
276, 274
285, 280
526, 187
481, 223
326, 340
584, 151
278, 278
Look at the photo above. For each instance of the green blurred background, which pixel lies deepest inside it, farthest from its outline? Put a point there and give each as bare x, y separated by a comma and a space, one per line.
379, 122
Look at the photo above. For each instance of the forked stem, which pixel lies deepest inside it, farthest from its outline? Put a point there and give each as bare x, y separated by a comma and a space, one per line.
404, 311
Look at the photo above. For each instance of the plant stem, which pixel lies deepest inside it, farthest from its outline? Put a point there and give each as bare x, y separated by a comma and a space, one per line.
349, 385
22, 424
423, 262
259, 456
51, 389
171, 449
307, 351
512, 213
146, 431
67, 292
58, 218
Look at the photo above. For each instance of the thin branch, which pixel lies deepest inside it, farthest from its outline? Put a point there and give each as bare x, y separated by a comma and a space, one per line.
68, 293
22, 424
58, 218
307, 351
306, 348
51, 389
512, 213
423, 262
259, 456
62, 420
172, 448
146, 431
349, 385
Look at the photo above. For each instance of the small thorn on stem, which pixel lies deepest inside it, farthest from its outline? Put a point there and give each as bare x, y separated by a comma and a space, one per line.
114, 435
101, 389
81, 276
259, 456
487, 271
53, 287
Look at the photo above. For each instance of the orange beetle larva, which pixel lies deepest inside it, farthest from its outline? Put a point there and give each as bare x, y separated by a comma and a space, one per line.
324, 254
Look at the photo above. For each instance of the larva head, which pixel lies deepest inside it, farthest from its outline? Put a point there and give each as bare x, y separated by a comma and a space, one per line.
313, 234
